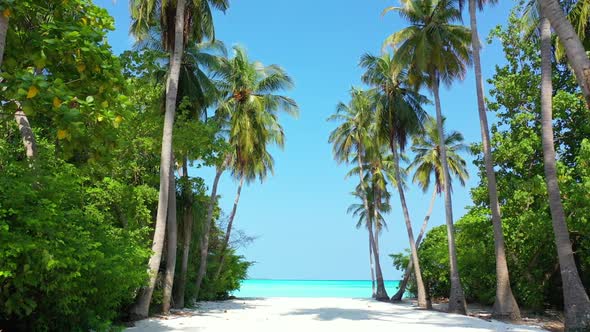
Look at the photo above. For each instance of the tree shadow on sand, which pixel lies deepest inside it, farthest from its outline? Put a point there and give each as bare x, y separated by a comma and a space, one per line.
328, 314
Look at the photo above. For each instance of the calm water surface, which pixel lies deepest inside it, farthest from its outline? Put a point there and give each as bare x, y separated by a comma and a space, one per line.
310, 288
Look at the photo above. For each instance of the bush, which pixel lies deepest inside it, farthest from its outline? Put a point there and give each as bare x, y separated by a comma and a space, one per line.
64, 264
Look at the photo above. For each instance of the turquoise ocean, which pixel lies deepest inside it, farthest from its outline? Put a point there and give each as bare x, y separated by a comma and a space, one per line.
310, 288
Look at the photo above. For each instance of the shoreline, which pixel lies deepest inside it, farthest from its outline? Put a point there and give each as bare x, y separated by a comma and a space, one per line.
318, 314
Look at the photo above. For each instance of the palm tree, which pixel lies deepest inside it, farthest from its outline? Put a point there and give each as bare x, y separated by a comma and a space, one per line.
505, 304
249, 109
399, 113
576, 302
426, 163
195, 84
435, 50
174, 19
576, 54
371, 218
350, 140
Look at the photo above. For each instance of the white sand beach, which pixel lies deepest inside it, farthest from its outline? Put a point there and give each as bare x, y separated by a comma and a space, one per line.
317, 314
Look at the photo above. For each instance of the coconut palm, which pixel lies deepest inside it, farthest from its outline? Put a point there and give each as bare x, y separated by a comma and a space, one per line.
350, 140
179, 23
435, 50
574, 48
576, 301
505, 305
399, 113
249, 110
248, 173
427, 165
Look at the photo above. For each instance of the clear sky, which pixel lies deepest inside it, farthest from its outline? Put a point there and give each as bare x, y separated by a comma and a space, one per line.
299, 214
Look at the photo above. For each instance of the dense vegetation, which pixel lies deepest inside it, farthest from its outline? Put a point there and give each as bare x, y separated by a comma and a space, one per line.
80, 153
524, 241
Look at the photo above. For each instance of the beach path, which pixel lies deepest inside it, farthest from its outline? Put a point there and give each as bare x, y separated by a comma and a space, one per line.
317, 314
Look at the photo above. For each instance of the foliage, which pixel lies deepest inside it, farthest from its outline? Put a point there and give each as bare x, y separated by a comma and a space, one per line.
76, 219
66, 260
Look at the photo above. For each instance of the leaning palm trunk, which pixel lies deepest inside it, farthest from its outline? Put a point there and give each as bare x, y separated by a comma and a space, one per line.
422, 303
3, 31
171, 241
576, 302
204, 245
372, 267
229, 228
26, 132
141, 308
187, 236
456, 298
381, 293
576, 54
404, 282
505, 305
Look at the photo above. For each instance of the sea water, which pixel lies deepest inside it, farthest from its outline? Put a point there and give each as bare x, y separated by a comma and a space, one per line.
310, 288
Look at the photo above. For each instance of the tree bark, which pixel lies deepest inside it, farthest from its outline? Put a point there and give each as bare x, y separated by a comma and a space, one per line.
381, 294
404, 282
505, 305
141, 308
26, 132
574, 49
456, 298
422, 302
372, 268
229, 228
576, 302
172, 231
3, 31
187, 236
204, 245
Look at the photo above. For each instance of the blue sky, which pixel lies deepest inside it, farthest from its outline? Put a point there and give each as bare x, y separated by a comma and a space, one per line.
299, 214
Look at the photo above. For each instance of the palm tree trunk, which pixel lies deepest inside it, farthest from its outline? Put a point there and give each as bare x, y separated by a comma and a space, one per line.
422, 302
576, 302
505, 305
381, 293
456, 298
3, 31
404, 282
26, 132
204, 245
171, 242
372, 268
576, 54
141, 308
187, 236
229, 228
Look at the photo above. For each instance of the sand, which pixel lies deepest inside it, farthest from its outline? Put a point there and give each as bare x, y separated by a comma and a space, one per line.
317, 314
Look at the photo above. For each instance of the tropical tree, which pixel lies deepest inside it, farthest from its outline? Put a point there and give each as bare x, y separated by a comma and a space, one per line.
349, 143
435, 50
427, 165
179, 23
576, 302
574, 48
505, 304
399, 113
248, 109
